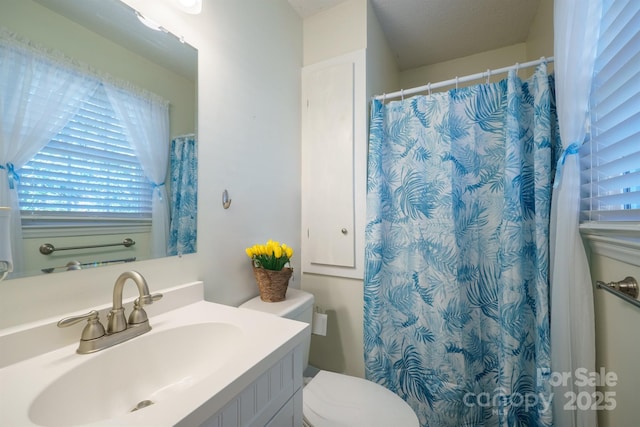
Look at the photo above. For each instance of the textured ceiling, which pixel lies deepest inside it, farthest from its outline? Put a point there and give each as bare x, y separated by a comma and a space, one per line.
423, 32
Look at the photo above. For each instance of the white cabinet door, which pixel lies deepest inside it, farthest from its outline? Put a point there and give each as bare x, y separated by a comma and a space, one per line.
333, 165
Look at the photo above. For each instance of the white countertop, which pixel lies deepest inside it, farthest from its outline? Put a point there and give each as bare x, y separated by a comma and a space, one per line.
264, 340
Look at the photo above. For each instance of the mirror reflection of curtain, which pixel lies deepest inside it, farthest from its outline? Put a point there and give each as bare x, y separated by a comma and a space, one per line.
39, 95
146, 119
184, 195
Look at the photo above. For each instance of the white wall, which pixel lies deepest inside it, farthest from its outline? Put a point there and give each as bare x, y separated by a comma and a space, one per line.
250, 55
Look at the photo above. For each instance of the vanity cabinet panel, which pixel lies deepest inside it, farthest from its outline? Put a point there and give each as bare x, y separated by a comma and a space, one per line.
291, 413
334, 166
229, 416
274, 399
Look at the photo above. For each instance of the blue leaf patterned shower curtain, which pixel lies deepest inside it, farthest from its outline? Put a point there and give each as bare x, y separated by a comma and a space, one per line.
456, 279
184, 195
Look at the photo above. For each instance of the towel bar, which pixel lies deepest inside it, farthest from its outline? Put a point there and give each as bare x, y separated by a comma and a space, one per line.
48, 248
627, 289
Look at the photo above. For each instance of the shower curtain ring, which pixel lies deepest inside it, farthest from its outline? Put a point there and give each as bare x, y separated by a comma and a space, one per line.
429, 88
456, 82
488, 75
402, 94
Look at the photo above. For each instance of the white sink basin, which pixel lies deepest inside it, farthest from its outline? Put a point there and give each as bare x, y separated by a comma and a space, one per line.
152, 368
195, 360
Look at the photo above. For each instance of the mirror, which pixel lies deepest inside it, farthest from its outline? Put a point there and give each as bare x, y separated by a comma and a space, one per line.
109, 37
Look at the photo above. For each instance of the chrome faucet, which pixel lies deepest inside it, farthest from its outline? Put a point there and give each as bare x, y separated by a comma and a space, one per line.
94, 337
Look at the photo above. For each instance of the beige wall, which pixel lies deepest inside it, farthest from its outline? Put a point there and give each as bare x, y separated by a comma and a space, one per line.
342, 299
540, 40
382, 71
472, 64
336, 31
617, 341
538, 44
348, 27
331, 33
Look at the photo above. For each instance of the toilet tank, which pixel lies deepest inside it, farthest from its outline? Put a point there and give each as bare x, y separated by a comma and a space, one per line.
297, 305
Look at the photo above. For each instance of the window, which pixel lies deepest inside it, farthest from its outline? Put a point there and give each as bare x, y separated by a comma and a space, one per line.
88, 170
610, 161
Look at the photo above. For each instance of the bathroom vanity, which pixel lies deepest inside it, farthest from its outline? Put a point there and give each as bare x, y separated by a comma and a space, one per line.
201, 364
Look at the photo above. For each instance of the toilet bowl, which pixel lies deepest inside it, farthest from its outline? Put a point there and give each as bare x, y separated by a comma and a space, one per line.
331, 399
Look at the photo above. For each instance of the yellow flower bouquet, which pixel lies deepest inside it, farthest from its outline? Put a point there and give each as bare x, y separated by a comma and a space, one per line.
270, 256
268, 262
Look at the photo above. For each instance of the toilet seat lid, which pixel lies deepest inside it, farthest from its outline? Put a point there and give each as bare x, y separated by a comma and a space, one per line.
331, 400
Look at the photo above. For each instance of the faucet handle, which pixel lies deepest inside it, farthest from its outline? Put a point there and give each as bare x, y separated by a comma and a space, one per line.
147, 299
93, 328
138, 315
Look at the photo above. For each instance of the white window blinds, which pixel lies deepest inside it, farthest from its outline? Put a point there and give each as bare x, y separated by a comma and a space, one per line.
87, 168
610, 161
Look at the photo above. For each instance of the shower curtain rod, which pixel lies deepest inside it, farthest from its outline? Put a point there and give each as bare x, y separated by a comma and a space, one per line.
477, 76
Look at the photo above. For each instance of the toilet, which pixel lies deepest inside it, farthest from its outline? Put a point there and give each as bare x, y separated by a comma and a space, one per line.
331, 399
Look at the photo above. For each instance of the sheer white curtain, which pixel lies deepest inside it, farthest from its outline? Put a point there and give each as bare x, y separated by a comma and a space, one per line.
576, 24
146, 119
39, 95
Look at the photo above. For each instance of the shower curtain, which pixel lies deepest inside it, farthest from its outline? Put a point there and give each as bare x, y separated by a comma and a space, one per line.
457, 245
184, 195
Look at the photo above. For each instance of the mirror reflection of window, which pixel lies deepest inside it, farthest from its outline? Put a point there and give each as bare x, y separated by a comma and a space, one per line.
88, 168
125, 58
101, 150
